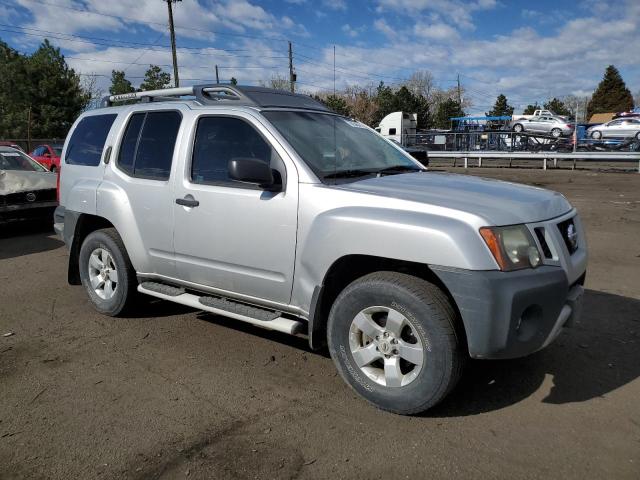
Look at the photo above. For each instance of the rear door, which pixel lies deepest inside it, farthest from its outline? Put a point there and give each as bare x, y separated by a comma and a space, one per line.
239, 238
137, 182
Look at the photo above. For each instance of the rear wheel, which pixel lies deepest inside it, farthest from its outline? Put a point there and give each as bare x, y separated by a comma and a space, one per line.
556, 132
106, 272
638, 136
392, 338
596, 135
518, 128
53, 169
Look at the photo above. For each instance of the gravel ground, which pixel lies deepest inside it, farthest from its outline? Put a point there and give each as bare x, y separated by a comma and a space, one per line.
174, 393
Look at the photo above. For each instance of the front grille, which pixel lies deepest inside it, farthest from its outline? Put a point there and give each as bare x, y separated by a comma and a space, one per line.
569, 234
34, 196
546, 251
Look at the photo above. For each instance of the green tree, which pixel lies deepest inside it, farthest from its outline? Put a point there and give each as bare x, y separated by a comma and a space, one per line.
530, 110
234, 81
119, 83
558, 107
500, 108
155, 79
446, 110
401, 100
337, 104
612, 94
39, 93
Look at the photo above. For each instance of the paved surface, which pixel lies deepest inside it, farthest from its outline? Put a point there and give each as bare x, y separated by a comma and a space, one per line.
174, 393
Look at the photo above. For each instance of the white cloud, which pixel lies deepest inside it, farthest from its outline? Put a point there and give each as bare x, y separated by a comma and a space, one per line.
440, 31
459, 12
335, 4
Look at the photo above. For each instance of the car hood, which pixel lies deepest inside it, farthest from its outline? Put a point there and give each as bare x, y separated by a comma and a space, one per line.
13, 181
498, 202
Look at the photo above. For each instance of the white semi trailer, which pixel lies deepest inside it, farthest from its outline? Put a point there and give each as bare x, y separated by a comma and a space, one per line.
399, 126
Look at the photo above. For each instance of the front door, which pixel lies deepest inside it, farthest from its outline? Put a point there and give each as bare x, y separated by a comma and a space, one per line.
236, 237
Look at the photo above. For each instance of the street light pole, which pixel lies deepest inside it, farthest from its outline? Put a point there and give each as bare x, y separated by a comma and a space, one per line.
176, 79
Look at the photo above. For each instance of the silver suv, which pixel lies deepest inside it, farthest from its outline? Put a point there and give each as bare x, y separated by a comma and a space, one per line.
265, 207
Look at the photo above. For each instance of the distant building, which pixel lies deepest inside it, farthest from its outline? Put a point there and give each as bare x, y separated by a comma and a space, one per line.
601, 117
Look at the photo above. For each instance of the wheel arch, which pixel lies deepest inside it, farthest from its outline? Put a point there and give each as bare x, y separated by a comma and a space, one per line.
348, 268
84, 224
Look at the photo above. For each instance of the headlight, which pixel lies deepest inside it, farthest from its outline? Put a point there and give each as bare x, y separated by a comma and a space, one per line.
513, 247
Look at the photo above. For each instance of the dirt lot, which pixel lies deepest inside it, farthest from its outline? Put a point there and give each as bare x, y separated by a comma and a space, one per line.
174, 393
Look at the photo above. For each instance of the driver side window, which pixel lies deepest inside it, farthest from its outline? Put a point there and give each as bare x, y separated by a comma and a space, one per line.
221, 139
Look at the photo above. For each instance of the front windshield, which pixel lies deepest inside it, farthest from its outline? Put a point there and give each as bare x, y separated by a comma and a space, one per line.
336, 147
16, 160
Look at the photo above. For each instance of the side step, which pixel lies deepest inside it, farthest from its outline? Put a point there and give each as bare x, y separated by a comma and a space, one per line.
227, 308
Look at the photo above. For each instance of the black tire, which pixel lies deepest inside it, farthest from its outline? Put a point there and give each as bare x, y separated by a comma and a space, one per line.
53, 169
124, 292
518, 128
596, 135
430, 314
556, 132
638, 136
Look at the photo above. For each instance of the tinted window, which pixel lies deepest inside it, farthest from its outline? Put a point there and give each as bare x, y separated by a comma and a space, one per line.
220, 139
392, 131
87, 141
148, 144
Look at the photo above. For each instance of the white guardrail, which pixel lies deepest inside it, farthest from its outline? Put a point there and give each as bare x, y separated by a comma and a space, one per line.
544, 156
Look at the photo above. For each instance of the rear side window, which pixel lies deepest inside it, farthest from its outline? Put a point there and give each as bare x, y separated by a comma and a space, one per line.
148, 144
87, 141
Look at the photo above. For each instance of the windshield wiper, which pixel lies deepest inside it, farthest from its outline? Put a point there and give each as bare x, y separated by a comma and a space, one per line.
350, 173
398, 169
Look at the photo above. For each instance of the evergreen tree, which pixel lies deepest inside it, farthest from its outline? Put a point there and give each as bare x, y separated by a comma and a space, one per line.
39, 93
155, 79
119, 83
500, 108
530, 110
234, 81
558, 107
446, 110
336, 103
612, 95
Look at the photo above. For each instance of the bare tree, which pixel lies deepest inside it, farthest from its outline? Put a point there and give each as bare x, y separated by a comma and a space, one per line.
277, 81
422, 83
89, 84
576, 104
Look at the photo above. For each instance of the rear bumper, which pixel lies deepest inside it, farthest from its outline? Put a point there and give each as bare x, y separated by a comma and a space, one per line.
513, 314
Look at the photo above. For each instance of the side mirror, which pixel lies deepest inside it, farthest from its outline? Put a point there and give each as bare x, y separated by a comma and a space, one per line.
254, 171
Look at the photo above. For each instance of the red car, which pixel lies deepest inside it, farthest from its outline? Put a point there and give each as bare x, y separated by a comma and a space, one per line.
48, 156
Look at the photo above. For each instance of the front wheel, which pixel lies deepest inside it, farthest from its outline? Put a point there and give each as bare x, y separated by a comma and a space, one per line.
53, 169
556, 132
596, 135
106, 272
518, 128
392, 338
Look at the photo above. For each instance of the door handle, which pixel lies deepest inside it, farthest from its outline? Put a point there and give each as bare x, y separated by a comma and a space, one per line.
187, 201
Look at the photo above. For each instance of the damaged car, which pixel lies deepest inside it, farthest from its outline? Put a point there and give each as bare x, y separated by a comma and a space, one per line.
27, 189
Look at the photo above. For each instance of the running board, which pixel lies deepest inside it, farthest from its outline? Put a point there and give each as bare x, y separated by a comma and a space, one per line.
212, 304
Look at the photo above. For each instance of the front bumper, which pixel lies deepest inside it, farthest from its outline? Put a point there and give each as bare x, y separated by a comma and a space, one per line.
513, 314
25, 212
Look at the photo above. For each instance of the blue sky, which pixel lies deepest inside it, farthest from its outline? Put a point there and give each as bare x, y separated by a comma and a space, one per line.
530, 51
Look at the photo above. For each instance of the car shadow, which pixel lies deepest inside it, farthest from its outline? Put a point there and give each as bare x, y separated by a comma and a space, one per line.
599, 354
17, 240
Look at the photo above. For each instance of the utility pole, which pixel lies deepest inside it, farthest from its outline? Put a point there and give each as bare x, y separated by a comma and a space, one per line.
334, 70
29, 129
292, 76
176, 79
217, 77
459, 94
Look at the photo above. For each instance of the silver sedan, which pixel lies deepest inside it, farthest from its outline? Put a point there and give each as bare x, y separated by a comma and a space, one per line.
555, 126
618, 128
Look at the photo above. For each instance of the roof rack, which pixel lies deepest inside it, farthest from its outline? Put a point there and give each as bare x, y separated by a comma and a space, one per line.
215, 94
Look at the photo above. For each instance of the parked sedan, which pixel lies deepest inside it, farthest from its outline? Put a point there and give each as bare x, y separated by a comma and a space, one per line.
27, 189
618, 128
48, 156
556, 126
